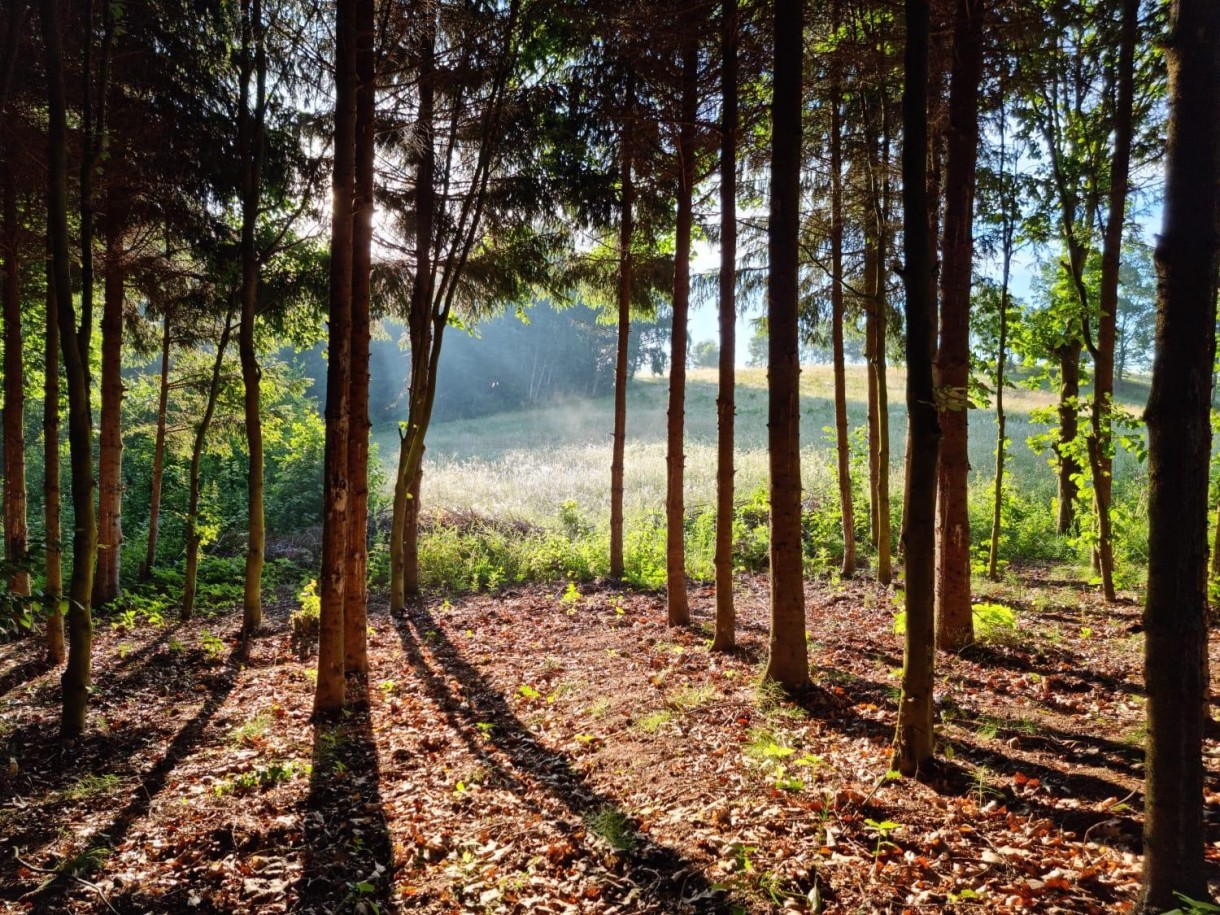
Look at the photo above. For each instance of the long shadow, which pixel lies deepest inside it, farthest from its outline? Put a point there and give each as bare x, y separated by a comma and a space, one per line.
349, 856
1047, 666
664, 880
151, 783
22, 673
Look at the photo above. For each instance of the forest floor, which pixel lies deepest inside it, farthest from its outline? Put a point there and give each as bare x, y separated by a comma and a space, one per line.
531, 752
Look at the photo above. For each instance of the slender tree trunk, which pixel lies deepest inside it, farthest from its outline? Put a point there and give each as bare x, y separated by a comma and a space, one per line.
954, 620
251, 129
846, 509
110, 431
15, 529
190, 578
1179, 440
404, 531
726, 613
877, 364
625, 279
1069, 426
336, 505
158, 463
913, 741
50, 486
788, 658
1001, 421
675, 506
77, 674
1107, 323
870, 357
355, 636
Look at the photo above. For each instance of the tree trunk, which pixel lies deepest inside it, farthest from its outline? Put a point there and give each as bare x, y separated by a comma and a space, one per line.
192, 508
726, 613
1001, 421
1069, 425
1107, 323
846, 509
625, 278
913, 741
1179, 449
879, 314
251, 129
788, 659
77, 674
50, 486
330, 695
675, 459
870, 357
404, 531
355, 636
954, 620
158, 464
110, 431
16, 535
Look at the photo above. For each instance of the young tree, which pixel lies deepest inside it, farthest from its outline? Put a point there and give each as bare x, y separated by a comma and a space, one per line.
1179, 438
56, 650
626, 278
158, 464
675, 506
15, 528
913, 741
788, 659
78, 673
954, 620
726, 615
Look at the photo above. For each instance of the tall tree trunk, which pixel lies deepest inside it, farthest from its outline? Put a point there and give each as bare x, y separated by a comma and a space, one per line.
50, 485
15, 529
251, 130
625, 279
954, 621
110, 431
158, 463
1001, 420
404, 531
788, 658
1099, 445
675, 505
913, 741
726, 613
870, 357
1179, 448
330, 695
846, 509
355, 636
1068, 356
77, 674
190, 578
878, 312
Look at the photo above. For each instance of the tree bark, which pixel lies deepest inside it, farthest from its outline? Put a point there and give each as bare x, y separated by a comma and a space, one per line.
50, 487
954, 620
675, 505
336, 499
1069, 426
788, 659
1107, 323
1001, 448
625, 280
404, 532
913, 741
1179, 449
355, 636
110, 431
251, 131
77, 674
16, 534
191, 575
878, 315
726, 613
158, 463
843, 448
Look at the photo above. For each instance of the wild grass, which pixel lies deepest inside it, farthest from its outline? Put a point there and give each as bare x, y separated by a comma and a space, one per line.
544, 467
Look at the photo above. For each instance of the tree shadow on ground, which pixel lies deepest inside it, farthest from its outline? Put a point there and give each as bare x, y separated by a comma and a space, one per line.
152, 782
349, 856
21, 673
663, 880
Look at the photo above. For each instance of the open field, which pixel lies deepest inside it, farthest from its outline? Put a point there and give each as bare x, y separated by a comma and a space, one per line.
526, 464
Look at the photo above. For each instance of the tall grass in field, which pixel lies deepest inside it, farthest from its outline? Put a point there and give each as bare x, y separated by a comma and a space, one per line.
538, 481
